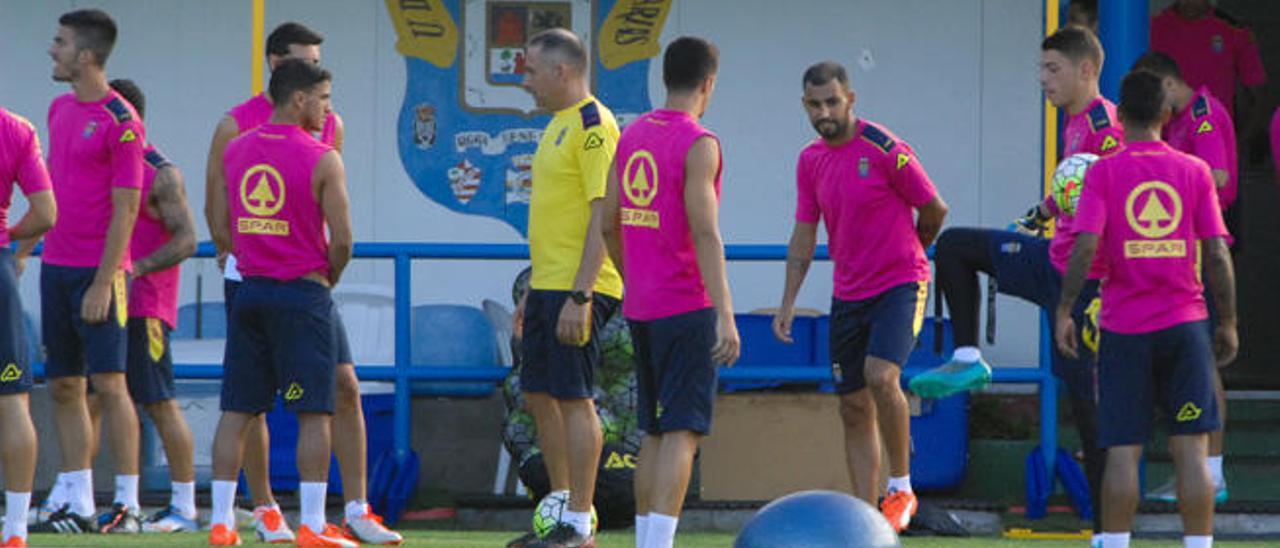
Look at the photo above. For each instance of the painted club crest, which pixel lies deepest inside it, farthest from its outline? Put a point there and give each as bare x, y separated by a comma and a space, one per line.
467, 130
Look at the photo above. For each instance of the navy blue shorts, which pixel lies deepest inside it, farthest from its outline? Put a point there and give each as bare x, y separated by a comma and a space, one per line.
675, 377
339, 328
1170, 369
280, 339
150, 364
1023, 269
884, 326
72, 346
15, 370
564, 371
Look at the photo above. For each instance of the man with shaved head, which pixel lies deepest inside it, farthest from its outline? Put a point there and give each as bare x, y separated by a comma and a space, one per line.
574, 288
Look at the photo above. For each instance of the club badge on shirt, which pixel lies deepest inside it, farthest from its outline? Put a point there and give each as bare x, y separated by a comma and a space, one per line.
89, 129
864, 166
1218, 44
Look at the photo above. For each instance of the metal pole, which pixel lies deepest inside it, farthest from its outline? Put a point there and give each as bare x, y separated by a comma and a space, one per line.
1123, 28
403, 403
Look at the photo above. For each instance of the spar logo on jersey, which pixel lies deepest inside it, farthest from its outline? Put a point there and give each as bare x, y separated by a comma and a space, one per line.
464, 105
640, 184
262, 194
294, 393
1154, 210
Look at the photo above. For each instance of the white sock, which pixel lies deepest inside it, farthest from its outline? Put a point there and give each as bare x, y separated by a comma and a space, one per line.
224, 500
642, 530
79, 493
183, 498
1215, 470
1197, 541
581, 521
967, 354
1115, 540
58, 494
15, 515
662, 530
355, 510
127, 491
900, 484
312, 495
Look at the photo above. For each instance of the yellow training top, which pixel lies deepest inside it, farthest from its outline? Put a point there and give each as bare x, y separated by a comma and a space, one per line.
569, 171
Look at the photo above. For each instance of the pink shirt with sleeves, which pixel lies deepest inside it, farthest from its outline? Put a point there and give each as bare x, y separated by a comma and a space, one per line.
1204, 129
650, 168
866, 191
1151, 207
154, 295
94, 147
1209, 52
20, 163
1095, 130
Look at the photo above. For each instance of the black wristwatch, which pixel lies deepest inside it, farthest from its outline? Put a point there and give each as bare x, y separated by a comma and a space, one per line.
580, 297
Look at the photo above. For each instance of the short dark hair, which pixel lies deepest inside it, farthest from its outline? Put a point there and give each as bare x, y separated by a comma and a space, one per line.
131, 93
1076, 43
688, 62
290, 33
1159, 64
1086, 8
95, 31
562, 42
1142, 99
820, 73
295, 75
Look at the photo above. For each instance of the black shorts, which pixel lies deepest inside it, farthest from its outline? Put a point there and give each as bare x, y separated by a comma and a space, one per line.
73, 346
1170, 369
150, 363
229, 288
15, 364
884, 326
675, 376
280, 338
564, 371
1023, 269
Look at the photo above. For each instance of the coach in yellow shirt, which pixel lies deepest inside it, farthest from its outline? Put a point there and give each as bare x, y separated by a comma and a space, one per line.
574, 288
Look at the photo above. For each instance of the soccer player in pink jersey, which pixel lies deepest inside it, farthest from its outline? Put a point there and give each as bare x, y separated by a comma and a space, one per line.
1026, 265
95, 164
285, 190
163, 237
292, 40
20, 163
861, 179
1147, 213
1200, 126
660, 213
1210, 51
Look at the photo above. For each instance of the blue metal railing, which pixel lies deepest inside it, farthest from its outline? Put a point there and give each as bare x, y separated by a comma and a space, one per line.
404, 371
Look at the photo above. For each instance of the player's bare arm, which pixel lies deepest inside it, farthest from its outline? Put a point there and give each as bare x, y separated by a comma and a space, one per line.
124, 211
42, 212
929, 220
330, 185
703, 210
168, 199
1222, 285
804, 242
216, 213
572, 328
1072, 283
611, 221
